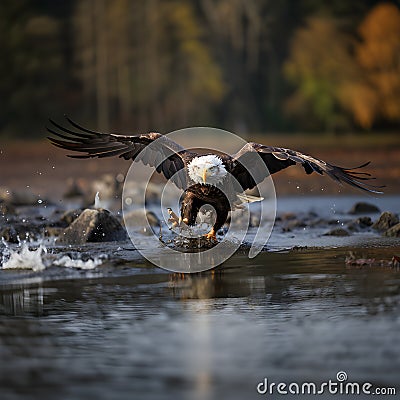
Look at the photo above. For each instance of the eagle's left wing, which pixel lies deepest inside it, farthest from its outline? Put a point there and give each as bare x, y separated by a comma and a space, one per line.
277, 158
153, 149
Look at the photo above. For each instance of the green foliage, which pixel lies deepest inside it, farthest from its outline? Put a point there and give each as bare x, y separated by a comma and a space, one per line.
319, 65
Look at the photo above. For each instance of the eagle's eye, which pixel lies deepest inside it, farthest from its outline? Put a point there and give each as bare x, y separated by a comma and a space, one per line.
212, 168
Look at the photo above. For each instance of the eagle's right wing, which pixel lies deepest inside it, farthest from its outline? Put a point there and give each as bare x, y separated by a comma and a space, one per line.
276, 158
153, 149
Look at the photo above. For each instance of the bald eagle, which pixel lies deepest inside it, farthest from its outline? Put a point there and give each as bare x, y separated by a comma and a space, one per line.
215, 179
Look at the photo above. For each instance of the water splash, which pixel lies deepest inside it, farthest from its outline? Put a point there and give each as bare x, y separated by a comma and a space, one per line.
24, 258
38, 259
97, 200
5, 254
67, 261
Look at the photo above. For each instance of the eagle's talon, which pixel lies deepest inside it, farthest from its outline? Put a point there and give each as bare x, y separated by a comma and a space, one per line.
175, 221
211, 235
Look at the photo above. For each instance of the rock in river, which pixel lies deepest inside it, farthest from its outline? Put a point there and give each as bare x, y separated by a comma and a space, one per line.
70, 216
97, 225
394, 231
359, 224
337, 232
386, 221
363, 208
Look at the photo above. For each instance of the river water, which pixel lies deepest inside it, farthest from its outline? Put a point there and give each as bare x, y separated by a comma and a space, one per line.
128, 330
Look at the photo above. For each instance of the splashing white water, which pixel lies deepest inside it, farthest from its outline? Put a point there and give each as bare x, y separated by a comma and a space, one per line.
97, 202
25, 258
69, 262
38, 259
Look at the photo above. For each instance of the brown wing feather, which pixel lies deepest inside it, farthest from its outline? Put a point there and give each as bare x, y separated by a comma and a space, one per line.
153, 149
276, 159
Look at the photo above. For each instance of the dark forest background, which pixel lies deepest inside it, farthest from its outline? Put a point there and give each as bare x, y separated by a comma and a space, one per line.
242, 65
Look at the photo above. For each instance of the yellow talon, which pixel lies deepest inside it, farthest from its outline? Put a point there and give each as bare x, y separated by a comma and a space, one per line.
173, 218
176, 222
211, 235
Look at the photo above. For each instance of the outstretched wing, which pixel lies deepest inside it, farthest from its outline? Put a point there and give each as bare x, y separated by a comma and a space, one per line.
276, 159
152, 149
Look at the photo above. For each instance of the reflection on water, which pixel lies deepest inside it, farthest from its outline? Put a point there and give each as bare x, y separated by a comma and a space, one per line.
22, 301
296, 316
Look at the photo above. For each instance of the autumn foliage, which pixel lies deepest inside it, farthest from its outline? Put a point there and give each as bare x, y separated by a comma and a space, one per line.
378, 55
340, 79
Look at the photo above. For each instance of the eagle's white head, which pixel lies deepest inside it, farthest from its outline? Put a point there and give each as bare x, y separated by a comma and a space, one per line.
208, 170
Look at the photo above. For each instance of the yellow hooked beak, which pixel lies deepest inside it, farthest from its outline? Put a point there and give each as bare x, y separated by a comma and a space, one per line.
205, 174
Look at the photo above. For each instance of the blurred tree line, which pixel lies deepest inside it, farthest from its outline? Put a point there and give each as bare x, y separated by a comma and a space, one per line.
242, 65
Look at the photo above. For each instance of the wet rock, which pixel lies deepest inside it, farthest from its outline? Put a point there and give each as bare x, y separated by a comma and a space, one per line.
93, 226
293, 224
364, 208
364, 221
394, 231
385, 221
359, 224
337, 232
70, 216
53, 231
140, 218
